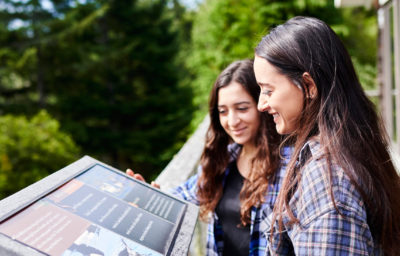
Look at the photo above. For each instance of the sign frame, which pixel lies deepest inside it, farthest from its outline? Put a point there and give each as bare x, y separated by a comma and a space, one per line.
31, 194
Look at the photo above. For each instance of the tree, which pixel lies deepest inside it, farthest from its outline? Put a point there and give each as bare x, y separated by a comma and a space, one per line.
112, 79
31, 149
24, 29
121, 96
228, 30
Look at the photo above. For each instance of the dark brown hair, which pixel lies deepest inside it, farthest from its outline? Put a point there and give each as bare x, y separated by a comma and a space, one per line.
349, 129
215, 157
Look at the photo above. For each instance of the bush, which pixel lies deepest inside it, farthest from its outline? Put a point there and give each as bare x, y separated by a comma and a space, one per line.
31, 149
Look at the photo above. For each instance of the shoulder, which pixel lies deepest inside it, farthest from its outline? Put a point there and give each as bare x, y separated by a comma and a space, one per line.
187, 190
322, 182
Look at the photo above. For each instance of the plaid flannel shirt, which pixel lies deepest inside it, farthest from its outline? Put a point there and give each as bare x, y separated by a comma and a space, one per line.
258, 243
321, 229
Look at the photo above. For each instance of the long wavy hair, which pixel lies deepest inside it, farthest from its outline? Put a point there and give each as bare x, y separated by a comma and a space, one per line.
351, 133
215, 156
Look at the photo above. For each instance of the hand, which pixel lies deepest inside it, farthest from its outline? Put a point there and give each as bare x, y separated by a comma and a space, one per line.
140, 177
134, 175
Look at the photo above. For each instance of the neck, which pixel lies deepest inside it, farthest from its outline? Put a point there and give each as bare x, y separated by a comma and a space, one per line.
248, 150
244, 161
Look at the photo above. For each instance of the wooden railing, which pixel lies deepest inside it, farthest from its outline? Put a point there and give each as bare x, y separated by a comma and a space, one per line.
389, 68
184, 163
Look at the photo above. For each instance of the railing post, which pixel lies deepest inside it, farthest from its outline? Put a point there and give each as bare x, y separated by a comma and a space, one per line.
386, 68
396, 37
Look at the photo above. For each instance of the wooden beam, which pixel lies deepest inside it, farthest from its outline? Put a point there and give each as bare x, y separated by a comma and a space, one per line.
396, 44
385, 66
353, 3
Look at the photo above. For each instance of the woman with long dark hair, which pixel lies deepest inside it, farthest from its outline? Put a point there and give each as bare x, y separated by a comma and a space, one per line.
241, 169
341, 193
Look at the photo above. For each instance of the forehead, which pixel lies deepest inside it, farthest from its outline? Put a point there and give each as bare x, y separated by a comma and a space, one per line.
264, 71
268, 75
233, 93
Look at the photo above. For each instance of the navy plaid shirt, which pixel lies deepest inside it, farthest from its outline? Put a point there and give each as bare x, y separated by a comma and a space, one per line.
258, 242
321, 229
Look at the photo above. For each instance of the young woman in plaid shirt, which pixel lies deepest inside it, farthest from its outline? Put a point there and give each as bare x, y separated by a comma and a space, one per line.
341, 193
241, 167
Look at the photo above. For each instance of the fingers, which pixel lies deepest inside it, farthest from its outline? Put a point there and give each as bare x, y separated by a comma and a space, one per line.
134, 175
129, 172
155, 185
140, 177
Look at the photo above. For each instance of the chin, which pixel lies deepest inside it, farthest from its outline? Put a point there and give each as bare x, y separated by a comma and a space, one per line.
281, 131
278, 129
240, 141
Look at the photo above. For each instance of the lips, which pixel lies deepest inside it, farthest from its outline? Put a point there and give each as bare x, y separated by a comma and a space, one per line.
238, 131
275, 116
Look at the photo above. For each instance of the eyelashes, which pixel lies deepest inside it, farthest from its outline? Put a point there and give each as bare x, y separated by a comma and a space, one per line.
266, 92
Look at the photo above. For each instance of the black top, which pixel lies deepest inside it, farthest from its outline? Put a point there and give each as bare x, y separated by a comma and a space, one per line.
236, 237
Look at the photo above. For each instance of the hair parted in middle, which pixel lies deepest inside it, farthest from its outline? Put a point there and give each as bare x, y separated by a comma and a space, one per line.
215, 156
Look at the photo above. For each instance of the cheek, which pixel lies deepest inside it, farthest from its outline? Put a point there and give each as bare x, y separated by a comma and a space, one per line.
253, 118
223, 121
289, 102
293, 110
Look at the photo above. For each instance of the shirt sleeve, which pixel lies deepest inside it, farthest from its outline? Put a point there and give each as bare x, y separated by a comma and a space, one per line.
323, 229
333, 234
188, 190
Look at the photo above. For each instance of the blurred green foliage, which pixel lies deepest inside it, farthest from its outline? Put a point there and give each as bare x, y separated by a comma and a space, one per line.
108, 71
31, 149
227, 30
129, 80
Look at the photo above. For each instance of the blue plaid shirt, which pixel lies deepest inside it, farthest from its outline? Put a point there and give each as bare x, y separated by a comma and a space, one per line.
321, 229
258, 243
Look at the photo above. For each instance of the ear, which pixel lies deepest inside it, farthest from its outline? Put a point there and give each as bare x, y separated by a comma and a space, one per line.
312, 91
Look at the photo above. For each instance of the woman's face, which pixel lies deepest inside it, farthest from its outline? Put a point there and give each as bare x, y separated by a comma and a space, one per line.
238, 113
280, 97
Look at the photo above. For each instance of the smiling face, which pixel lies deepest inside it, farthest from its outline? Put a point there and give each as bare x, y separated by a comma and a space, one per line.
279, 96
238, 114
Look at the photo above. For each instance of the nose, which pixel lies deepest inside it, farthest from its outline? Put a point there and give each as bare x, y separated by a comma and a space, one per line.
262, 105
233, 119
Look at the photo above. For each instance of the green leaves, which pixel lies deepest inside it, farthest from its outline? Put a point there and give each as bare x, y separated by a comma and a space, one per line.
31, 149
108, 71
129, 80
227, 30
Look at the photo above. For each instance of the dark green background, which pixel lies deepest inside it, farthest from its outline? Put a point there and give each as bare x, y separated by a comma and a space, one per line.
127, 81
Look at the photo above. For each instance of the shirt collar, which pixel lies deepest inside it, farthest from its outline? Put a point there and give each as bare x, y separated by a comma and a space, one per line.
233, 150
311, 149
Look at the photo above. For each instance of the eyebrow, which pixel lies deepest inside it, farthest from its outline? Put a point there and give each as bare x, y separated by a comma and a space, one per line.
237, 103
264, 84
